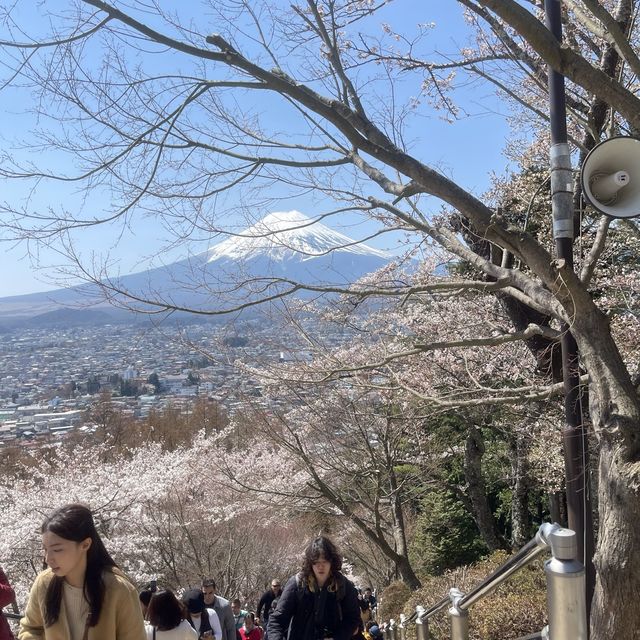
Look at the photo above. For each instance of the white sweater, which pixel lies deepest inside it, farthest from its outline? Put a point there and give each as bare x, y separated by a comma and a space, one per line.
184, 631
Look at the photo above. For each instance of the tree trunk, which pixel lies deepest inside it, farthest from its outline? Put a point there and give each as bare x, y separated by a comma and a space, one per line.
615, 411
407, 573
477, 492
617, 560
557, 508
400, 536
521, 486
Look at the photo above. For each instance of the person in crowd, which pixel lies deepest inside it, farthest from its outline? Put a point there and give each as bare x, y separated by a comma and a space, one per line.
248, 630
372, 631
318, 602
265, 605
82, 595
203, 619
365, 611
145, 596
258, 624
370, 599
7, 597
221, 607
167, 618
239, 614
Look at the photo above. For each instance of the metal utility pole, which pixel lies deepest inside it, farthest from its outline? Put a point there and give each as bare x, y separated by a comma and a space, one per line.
576, 453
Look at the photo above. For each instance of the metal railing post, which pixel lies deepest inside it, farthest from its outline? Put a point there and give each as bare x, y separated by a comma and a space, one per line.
459, 618
566, 601
422, 624
390, 631
395, 631
403, 627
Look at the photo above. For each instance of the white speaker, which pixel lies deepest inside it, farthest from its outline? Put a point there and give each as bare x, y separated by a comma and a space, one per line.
610, 177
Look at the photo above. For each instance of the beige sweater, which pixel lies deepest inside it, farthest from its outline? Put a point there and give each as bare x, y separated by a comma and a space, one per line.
120, 618
76, 608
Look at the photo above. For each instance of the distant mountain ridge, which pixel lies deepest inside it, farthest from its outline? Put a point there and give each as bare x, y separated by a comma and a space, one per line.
258, 262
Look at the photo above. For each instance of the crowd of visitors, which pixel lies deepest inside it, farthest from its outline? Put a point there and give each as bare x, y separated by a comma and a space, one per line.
83, 595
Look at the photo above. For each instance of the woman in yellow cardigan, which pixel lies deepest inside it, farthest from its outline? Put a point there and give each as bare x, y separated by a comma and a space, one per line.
82, 595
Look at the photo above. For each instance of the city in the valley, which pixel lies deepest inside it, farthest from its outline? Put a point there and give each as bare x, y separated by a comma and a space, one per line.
51, 377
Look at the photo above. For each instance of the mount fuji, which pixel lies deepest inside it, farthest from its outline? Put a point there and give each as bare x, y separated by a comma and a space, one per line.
286, 236
264, 260
291, 246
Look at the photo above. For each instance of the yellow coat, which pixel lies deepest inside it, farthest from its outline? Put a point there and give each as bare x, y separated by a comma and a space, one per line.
120, 617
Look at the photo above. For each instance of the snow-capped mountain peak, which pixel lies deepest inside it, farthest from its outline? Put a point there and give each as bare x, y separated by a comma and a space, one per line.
285, 235
261, 262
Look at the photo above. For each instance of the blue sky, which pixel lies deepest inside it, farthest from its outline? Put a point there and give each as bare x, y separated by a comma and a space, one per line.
466, 150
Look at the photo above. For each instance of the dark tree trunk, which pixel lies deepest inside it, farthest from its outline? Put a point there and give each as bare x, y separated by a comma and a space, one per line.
521, 487
557, 508
477, 491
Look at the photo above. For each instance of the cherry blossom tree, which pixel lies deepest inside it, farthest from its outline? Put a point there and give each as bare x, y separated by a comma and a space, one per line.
162, 513
170, 137
431, 365
345, 452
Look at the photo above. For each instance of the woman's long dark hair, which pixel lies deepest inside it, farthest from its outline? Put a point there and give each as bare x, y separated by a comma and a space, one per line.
75, 522
321, 546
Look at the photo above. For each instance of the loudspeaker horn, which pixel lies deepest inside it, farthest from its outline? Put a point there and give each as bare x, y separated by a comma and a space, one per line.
610, 177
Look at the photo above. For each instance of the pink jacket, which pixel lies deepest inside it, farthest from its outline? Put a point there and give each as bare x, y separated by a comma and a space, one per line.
7, 596
254, 634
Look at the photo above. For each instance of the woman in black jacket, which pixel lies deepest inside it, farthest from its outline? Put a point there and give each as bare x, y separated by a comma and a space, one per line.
318, 602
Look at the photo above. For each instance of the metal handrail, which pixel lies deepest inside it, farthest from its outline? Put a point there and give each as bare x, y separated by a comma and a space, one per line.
527, 554
565, 590
404, 620
439, 606
513, 564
